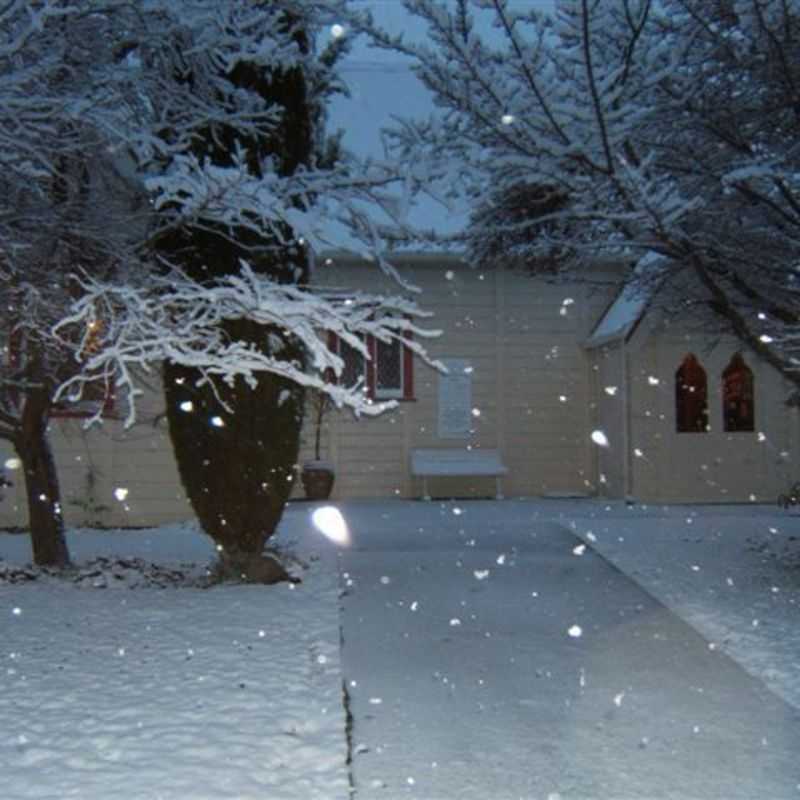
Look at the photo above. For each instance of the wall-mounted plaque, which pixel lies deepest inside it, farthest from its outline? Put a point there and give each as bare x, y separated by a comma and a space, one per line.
455, 399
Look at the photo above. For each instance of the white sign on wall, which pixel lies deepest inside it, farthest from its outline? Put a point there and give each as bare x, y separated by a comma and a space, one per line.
455, 399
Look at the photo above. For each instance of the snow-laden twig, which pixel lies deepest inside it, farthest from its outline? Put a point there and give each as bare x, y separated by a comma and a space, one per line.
182, 321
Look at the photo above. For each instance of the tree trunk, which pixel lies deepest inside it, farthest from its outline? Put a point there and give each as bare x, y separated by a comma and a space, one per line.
45, 520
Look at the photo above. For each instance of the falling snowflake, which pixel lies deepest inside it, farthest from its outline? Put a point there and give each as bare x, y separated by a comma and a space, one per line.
120, 493
455, 622
579, 550
218, 422
507, 119
186, 405
414, 606
611, 390
337, 31
385, 580
575, 631
618, 698
13, 463
652, 380
481, 574
599, 438
16, 611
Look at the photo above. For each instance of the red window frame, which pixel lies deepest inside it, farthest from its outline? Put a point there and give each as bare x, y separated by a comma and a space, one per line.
371, 388
691, 396
738, 397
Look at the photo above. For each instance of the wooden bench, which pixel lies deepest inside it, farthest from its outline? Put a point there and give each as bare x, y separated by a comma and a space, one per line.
453, 462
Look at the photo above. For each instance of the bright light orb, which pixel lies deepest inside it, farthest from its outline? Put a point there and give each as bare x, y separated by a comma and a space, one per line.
331, 524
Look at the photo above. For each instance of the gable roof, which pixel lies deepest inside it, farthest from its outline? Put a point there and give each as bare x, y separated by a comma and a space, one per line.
629, 306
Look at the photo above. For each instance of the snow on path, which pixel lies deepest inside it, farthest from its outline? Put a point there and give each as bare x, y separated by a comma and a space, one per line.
732, 572
490, 655
169, 694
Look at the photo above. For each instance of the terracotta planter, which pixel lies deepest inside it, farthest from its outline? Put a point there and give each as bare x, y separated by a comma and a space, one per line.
317, 478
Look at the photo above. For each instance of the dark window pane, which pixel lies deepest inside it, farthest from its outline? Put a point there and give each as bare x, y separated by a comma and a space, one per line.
353, 369
691, 397
738, 396
389, 366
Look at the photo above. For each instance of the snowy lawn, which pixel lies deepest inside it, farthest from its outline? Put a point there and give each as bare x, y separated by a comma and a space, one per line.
168, 693
111, 686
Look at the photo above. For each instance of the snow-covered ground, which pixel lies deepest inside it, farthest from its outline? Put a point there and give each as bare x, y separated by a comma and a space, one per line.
113, 686
732, 572
168, 693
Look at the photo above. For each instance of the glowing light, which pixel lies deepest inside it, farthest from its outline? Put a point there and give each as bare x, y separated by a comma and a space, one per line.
120, 493
599, 438
331, 524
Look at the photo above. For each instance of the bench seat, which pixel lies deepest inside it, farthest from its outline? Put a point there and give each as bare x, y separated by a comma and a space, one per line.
455, 462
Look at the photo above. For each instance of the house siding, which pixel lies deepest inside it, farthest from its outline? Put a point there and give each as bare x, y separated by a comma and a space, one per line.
536, 392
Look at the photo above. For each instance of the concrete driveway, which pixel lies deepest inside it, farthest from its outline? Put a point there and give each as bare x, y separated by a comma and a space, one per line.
489, 655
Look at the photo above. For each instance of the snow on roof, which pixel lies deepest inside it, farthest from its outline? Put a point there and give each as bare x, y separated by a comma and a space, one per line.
625, 312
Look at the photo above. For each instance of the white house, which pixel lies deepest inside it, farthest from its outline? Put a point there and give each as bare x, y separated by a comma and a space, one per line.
581, 391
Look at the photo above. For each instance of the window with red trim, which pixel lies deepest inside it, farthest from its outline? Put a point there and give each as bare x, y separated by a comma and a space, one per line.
388, 374
691, 397
738, 411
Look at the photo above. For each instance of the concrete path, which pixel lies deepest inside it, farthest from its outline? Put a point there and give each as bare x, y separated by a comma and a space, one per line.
488, 658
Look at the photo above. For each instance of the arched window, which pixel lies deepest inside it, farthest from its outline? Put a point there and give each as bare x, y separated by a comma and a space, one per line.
737, 396
691, 396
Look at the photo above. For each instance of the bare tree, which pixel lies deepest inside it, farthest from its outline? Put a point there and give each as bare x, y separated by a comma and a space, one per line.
147, 184
626, 128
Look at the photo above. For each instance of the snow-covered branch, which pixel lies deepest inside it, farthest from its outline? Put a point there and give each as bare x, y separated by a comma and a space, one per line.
180, 320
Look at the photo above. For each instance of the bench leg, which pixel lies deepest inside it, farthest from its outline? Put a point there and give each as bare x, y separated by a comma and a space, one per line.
499, 495
425, 495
